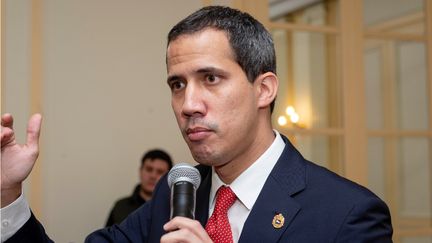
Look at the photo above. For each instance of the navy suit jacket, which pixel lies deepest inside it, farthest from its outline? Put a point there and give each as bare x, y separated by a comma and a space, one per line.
317, 205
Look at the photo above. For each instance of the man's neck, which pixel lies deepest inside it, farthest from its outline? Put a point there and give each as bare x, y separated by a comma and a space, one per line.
228, 172
145, 195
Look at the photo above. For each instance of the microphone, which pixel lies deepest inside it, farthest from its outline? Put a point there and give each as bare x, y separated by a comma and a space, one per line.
183, 179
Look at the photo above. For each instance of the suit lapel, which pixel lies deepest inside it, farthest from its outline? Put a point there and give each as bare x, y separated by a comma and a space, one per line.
286, 179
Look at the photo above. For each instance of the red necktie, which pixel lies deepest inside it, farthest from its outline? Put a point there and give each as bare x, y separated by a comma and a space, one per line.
218, 227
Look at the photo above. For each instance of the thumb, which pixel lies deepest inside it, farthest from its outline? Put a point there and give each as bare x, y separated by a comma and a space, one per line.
33, 130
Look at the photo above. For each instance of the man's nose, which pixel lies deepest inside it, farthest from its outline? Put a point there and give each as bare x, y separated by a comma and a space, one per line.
193, 104
154, 174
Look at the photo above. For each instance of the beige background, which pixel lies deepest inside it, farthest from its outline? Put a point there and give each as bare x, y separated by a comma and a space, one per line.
104, 100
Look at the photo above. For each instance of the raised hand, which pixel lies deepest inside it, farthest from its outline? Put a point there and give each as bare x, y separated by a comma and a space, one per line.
17, 160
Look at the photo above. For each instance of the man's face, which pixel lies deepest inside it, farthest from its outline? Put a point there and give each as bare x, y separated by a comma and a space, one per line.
150, 173
214, 103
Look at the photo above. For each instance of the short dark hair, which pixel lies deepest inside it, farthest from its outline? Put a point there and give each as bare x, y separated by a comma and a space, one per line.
157, 154
251, 43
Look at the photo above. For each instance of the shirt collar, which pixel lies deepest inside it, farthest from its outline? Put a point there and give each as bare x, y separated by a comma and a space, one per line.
247, 186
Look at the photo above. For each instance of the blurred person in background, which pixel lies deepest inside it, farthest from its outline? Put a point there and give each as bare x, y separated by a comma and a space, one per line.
154, 164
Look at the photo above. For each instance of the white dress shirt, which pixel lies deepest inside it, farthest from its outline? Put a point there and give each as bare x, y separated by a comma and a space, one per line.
247, 186
13, 217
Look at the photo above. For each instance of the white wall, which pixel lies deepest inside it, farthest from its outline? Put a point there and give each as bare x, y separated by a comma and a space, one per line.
105, 100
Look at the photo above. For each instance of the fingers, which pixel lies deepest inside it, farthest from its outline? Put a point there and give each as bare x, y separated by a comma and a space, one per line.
7, 136
7, 120
180, 236
183, 229
7, 133
33, 130
179, 222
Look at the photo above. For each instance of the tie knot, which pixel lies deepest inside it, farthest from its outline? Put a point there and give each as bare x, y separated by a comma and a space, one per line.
225, 198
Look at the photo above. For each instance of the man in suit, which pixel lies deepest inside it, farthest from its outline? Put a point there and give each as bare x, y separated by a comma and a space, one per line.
221, 71
154, 164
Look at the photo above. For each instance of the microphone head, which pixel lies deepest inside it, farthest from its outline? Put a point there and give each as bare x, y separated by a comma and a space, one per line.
184, 172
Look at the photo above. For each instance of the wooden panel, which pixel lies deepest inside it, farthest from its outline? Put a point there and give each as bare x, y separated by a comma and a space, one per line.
304, 27
428, 10
392, 36
389, 25
351, 28
313, 131
333, 90
398, 133
257, 8
206, 2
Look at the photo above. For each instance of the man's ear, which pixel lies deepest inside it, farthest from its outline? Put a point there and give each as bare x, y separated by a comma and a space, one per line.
266, 86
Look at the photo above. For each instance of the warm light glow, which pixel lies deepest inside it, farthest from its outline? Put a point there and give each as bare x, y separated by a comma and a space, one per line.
294, 118
290, 111
291, 119
282, 121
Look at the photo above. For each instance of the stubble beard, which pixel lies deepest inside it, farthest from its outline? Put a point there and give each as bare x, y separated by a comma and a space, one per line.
201, 152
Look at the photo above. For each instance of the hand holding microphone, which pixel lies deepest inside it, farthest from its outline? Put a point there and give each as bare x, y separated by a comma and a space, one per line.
184, 180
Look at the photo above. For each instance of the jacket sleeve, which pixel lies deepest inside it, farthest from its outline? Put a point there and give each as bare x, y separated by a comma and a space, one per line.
32, 231
133, 229
368, 221
143, 225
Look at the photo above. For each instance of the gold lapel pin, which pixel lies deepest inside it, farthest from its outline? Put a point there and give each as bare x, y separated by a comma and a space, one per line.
278, 221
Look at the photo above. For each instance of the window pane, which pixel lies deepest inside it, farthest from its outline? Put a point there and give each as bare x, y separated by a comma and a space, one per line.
414, 178
412, 85
376, 167
374, 91
400, 173
400, 67
308, 80
310, 12
397, 16
322, 150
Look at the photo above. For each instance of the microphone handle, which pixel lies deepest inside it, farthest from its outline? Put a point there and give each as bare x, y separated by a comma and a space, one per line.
183, 200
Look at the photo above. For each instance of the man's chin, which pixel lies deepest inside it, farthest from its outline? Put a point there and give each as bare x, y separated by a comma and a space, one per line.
148, 189
204, 158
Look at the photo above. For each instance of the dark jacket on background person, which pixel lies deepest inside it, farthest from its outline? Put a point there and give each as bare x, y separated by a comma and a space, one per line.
124, 206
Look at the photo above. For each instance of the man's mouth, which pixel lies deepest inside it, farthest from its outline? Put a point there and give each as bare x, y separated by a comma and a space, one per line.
197, 133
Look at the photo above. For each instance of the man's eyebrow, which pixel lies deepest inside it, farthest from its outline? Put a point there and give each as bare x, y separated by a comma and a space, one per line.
172, 78
203, 70
209, 70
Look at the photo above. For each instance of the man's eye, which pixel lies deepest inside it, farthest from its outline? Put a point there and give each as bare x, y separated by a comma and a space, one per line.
177, 85
211, 78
